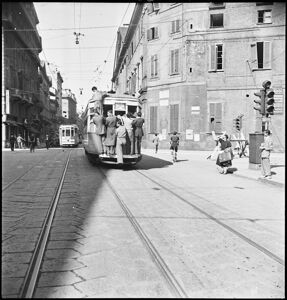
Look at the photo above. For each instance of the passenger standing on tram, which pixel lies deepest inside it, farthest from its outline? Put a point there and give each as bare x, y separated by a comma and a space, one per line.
130, 133
121, 134
98, 98
100, 131
138, 124
110, 140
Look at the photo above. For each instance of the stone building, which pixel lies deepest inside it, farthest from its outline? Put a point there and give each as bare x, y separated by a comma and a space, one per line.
21, 102
195, 67
69, 107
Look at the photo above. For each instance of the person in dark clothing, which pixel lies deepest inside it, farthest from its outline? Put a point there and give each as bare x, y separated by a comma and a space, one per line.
174, 143
137, 124
47, 141
225, 148
32, 143
12, 142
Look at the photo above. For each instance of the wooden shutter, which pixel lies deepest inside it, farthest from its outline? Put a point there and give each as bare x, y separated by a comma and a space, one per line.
153, 119
218, 117
212, 57
155, 32
253, 56
155, 65
174, 116
148, 32
171, 61
211, 115
267, 55
176, 61
177, 25
152, 66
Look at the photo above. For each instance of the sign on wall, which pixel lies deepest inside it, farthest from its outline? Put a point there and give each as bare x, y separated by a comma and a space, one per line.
195, 110
189, 134
164, 94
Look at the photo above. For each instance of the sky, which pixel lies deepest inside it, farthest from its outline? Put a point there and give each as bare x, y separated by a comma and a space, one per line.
89, 63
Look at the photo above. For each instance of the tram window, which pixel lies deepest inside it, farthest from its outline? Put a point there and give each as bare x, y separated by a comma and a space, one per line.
76, 130
63, 132
72, 132
68, 133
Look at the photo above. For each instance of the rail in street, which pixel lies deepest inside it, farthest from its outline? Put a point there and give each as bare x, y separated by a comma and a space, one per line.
155, 230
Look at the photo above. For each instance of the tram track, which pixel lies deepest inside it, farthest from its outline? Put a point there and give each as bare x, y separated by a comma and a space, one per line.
19, 177
174, 285
219, 222
30, 279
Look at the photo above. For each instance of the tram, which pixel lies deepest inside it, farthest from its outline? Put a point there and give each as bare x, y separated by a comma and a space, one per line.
69, 135
120, 105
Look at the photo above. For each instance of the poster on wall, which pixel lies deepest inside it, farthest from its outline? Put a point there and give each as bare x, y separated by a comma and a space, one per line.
189, 134
196, 137
163, 134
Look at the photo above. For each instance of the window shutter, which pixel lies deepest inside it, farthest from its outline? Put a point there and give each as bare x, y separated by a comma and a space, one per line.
148, 34
253, 56
174, 116
155, 32
172, 27
212, 57
153, 119
155, 65
267, 55
151, 67
177, 22
211, 115
171, 62
176, 61
218, 117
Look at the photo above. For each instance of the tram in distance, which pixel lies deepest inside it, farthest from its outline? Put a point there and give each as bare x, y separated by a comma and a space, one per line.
119, 105
69, 135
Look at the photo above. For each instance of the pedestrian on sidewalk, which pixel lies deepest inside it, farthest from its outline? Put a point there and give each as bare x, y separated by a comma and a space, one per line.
266, 148
47, 141
32, 143
174, 143
225, 156
156, 142
12, 141
20, 141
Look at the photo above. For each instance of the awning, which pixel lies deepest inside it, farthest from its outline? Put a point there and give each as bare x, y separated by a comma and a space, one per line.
11, 123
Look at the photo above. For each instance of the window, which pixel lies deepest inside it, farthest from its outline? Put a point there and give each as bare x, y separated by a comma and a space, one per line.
215, 117
175, 26
264, 17
174, 116
264, 3
63, 132
152, 33
261, 55
153, 119
174, 61
68, 132
154, 66
216, 57
216, 5
153, 7
216, 20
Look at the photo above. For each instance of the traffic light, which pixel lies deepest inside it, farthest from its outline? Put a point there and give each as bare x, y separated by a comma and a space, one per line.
269, 102
237, 123
260, 101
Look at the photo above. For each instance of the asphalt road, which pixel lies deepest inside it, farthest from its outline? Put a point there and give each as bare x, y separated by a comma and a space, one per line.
216, 235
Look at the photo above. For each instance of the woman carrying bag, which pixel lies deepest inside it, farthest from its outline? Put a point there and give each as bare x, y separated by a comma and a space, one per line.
225, 156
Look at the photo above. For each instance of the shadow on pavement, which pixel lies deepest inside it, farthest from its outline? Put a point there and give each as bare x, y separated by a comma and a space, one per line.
150, 162
276, 166
231, 170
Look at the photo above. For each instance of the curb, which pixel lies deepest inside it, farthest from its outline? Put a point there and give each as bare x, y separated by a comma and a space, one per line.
275, 183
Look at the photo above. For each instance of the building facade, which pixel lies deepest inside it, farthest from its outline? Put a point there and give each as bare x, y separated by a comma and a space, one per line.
21, 102
69, 107
196, 66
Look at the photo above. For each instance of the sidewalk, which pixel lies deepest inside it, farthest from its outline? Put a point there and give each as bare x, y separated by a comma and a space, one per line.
241, 165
